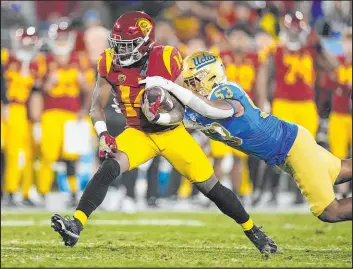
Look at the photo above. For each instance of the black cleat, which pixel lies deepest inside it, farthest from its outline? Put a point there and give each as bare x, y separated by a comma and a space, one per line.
69, 229
261, 241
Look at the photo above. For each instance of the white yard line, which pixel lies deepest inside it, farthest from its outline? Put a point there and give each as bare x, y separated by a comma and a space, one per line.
148, 222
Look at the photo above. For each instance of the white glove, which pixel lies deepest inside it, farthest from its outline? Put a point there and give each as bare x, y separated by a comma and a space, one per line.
37, 132
157, 81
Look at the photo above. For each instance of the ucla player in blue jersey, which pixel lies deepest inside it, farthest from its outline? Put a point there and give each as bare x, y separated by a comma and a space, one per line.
224, 112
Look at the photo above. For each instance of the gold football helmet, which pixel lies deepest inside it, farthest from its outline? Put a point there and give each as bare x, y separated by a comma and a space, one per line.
202, 71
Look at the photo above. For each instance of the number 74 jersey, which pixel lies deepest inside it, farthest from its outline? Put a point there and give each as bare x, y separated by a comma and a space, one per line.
255, 132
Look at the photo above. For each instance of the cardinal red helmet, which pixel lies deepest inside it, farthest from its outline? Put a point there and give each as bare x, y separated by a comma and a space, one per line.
25, 43
131, 37
61, 38
295, 31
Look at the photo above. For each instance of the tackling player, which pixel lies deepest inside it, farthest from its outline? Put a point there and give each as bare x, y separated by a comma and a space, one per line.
224, 112
133, 56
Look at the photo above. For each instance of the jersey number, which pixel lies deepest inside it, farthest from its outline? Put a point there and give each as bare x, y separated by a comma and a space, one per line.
244, 75
299, 67
67, 84
19, 87
129, 104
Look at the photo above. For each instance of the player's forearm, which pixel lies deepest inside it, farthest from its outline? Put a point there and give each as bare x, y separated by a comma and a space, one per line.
98, 120
200, 103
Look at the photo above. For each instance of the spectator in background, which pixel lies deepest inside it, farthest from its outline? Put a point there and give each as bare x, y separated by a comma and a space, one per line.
262, 40
245, 15
166, 34
338, 14
269, 22
95, 36
194, 45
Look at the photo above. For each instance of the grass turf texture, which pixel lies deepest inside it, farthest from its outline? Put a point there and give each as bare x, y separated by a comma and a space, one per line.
304, 242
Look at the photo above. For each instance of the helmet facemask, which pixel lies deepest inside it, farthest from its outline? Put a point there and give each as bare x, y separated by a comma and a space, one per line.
128, 51
25, 46
62, 43
296, 31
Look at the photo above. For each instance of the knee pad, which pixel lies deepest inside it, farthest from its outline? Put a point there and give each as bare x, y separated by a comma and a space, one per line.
108, 171
206, 186
70, 168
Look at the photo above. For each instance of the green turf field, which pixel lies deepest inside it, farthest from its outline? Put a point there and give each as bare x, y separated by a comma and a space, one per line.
174, 240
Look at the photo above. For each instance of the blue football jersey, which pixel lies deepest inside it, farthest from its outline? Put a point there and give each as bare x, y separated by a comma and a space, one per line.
255, 132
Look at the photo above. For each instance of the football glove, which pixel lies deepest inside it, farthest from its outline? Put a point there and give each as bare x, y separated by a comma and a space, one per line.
151, 110
107, 146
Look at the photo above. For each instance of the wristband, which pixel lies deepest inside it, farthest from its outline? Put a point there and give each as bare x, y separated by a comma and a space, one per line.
100, 127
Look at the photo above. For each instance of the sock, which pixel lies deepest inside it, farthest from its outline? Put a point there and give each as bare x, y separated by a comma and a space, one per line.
80, 216
72, 183
229, 204
247, 225
97, 188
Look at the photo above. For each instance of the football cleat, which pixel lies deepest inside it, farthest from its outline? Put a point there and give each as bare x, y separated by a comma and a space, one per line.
69, 229
261, 241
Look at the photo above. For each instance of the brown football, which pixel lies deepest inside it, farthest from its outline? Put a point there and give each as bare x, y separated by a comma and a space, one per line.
167, 101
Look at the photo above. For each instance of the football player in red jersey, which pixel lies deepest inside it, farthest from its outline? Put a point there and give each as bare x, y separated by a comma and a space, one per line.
132, 57
295, 60
68, 78
340, 118
23, 76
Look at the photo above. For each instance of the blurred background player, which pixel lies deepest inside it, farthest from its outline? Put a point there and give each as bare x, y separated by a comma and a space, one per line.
23, 76
66, 93
4, 113
340, 118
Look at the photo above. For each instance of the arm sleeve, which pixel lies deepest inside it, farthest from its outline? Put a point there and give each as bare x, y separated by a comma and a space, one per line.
199, 104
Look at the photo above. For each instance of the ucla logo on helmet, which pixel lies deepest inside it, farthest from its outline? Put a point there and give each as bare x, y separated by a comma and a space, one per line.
203, 60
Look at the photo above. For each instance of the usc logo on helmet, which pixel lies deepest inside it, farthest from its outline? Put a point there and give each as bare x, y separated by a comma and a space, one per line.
145, 25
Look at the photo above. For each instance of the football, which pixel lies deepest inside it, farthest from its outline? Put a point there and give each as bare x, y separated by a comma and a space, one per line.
167, 100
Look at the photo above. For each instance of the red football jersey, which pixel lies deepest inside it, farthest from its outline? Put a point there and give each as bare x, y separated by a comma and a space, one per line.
164, 61
295, 73
65, 95
340, 82
243, 71
20, 77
